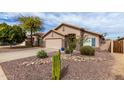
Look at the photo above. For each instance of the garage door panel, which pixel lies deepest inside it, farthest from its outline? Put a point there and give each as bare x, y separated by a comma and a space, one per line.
54, 43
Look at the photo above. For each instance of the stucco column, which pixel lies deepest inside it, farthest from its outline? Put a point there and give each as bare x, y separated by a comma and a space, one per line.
111, 46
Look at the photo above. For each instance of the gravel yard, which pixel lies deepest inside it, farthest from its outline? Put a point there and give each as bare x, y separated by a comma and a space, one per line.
74, 67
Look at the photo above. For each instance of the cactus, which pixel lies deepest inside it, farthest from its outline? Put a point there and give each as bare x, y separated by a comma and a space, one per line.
56, 66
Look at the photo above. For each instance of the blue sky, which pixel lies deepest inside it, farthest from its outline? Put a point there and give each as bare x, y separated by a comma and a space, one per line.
101, 22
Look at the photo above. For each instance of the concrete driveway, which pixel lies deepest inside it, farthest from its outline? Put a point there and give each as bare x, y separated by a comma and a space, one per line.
7, 56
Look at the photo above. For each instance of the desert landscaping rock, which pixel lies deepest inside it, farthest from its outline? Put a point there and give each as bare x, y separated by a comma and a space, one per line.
76, 67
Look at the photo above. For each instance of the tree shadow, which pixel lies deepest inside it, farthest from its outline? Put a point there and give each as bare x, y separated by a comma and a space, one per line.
64, 71
119, 77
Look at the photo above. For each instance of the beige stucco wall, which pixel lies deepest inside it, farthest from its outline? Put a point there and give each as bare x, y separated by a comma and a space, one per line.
53, 35
93, 36
69, 30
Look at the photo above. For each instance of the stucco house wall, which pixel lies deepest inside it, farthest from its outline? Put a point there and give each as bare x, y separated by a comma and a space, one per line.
53, 35
68, 30
62, 30
97, 38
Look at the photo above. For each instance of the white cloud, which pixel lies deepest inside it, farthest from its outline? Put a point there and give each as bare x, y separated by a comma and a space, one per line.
99, 22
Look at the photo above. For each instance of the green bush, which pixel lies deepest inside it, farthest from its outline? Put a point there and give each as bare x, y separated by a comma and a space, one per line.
68, 51
87, 50
42, 54
72, 45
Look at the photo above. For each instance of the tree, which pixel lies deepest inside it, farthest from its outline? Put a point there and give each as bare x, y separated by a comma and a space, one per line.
4, 32
31, 24
118, 37
82, 39
71, 42
17, 34
104, 34
11, 34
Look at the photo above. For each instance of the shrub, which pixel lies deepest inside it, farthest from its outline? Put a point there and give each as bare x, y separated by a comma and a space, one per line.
72, 45
42, 54
71, 42
68, 51
87, 50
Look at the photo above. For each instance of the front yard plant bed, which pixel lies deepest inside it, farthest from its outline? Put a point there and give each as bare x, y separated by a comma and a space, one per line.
74, 67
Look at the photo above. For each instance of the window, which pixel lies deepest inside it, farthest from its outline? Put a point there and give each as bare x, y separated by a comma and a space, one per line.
93, 42
87, 42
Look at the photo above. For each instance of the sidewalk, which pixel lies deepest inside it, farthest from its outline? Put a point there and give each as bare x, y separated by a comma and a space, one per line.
2, 74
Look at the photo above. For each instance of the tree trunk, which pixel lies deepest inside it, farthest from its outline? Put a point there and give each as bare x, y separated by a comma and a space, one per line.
10, 46
31, 38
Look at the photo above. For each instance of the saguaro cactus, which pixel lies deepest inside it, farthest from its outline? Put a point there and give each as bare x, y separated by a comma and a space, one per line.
56, 66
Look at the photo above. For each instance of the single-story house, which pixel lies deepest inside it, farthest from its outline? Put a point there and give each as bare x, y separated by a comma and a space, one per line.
37, 39
57, 37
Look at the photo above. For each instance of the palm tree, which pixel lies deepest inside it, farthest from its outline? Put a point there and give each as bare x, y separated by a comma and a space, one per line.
31, 24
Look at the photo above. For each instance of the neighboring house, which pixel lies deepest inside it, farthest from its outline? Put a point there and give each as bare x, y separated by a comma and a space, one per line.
122, 38
57, 38
37, 39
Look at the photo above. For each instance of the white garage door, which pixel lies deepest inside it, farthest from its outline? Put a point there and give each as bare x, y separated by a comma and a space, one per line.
54, 43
